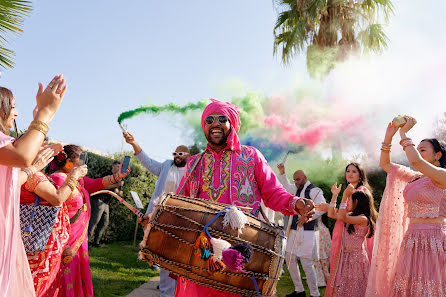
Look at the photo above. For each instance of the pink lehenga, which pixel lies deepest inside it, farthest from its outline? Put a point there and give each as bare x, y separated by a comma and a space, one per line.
76, 280
15, 275
335, 252
352, 269
409, 259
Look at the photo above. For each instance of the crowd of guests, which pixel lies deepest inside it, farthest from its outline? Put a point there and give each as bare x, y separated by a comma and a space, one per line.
62, 268
400, 252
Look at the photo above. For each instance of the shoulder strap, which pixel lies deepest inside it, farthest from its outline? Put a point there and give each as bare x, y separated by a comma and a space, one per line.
197, 160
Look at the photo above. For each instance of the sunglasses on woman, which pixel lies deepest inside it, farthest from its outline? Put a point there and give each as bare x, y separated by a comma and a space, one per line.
179, 154
210, 119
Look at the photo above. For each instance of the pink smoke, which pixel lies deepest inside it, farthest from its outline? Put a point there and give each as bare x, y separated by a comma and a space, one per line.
309, 124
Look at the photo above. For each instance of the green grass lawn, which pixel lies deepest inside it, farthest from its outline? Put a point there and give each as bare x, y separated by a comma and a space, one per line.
285, 285
116, 270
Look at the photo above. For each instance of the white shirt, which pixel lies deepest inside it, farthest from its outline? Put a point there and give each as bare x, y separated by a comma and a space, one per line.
173, 178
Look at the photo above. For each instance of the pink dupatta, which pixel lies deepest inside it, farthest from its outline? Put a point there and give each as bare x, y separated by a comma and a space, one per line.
390, 228
15, 275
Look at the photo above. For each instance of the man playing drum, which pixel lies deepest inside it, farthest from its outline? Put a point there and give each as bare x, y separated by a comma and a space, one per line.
234, 174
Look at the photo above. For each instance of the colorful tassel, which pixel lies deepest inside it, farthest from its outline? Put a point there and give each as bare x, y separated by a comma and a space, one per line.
244, 249
235, 218
215, 265
218, 245
233, 260
202, 247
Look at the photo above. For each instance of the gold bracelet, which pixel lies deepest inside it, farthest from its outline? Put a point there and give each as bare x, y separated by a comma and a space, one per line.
39, 126
28, 172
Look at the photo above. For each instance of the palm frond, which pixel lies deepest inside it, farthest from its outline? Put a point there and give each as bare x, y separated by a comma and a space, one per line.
373, 38
12, 16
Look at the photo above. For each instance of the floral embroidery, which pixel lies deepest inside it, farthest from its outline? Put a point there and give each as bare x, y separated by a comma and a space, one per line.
209, 177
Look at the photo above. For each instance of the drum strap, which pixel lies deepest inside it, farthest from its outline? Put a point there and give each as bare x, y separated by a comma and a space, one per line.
197, 160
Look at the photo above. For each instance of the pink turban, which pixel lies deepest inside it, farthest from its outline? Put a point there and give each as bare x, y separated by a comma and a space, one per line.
232, 112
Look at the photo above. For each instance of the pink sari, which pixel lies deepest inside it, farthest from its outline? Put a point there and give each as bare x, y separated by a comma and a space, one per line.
335, 253
76, 280
390, 229
15, 275
46, 264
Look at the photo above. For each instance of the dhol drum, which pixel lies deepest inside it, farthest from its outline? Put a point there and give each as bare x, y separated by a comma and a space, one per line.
177, 222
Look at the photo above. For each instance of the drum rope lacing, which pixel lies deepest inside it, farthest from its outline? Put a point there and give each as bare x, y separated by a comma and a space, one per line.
228, 288
219, 233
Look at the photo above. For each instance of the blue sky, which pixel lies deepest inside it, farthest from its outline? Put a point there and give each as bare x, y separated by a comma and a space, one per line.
118, 55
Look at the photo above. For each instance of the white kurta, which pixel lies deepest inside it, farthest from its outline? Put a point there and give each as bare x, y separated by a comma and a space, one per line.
304, 243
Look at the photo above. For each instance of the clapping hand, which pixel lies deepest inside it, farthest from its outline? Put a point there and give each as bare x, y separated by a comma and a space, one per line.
49, 99
349, 190
335, 189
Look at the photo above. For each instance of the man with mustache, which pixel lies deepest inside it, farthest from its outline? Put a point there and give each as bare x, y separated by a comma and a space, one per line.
231, 173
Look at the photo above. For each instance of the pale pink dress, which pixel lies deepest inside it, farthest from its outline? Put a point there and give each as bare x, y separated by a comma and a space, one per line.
15, 275
409, 259
351, 275
233, 177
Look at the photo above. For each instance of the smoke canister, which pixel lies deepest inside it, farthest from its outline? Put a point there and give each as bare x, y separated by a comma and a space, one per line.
399, 121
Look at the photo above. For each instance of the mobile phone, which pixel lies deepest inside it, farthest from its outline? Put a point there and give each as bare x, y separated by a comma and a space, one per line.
83, 159
125, 164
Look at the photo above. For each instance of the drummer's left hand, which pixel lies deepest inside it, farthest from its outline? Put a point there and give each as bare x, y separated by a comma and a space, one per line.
305, 207
144, 221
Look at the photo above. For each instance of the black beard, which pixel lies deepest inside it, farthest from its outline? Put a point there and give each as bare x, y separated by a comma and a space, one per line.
222, 141
181, 163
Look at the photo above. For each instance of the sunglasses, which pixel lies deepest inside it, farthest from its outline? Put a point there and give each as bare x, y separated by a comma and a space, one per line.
179, 154
221, 118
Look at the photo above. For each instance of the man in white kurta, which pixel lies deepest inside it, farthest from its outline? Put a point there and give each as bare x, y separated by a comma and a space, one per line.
303, 240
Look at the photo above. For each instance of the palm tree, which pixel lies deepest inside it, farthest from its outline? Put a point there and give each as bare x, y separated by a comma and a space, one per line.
12, 16
329, 29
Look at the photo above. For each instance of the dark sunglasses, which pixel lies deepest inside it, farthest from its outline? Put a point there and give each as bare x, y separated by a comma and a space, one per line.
179, 154
221, 118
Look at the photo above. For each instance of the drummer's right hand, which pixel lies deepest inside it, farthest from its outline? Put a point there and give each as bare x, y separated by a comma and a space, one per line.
144, 221
305, 207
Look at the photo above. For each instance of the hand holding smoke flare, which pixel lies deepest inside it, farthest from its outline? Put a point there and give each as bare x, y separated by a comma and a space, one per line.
296, 151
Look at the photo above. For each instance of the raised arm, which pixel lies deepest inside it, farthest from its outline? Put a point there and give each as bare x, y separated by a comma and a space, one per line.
22, 152
435, 173
342, 213
291, 188
56, 196
384, 161
332, 210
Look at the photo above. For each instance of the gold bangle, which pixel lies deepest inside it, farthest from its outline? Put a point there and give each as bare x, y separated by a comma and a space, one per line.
39, 126
404, 140
28, 172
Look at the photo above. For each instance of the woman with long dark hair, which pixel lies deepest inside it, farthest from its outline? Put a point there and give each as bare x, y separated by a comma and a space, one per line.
75, 270
15, 276
410, 246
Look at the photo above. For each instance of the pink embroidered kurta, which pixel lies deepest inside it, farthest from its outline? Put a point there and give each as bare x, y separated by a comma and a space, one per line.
15, 275
409, 259
76, 280
240, 178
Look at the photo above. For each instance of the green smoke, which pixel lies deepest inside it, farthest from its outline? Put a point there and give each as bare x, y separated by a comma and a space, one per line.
157, 109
